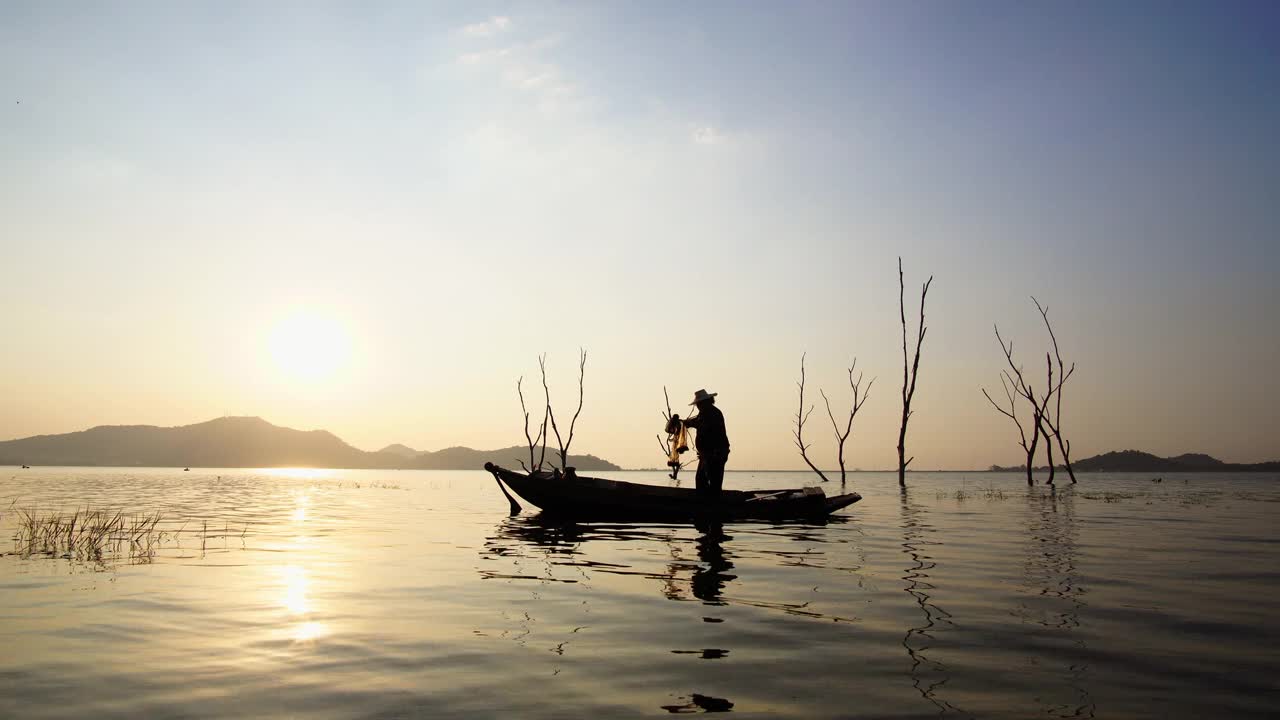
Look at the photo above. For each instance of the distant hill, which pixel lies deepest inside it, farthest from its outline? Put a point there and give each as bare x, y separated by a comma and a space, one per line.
245, 442
1137, 461
456, 458
401, 450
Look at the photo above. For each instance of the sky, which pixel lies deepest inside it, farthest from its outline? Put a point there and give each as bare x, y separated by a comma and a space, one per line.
372, 218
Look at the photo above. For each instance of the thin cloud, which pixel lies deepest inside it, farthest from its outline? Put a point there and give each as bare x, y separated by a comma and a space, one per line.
712, 135
709, 135
525, 67
485, 56
488, 28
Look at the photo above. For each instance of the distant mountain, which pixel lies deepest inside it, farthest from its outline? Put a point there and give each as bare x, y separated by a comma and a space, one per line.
225, 442
1137, 461
455, 458
245, 442
401, 450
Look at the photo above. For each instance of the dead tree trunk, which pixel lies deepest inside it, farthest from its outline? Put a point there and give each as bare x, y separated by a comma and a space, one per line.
1044, 412
1031, 452
1054, 421
909, 372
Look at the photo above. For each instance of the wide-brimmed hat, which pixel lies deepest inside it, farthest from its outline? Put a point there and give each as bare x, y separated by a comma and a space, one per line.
702, 395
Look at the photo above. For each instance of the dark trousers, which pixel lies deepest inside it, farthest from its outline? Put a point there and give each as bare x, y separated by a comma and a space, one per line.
710, 475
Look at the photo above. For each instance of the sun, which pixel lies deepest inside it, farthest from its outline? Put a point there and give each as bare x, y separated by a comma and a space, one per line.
310, 347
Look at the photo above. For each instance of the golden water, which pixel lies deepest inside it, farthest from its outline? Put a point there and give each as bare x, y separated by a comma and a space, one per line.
403, 594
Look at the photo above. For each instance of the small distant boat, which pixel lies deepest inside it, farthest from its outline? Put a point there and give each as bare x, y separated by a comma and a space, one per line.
186, 469
26, 467
588, 498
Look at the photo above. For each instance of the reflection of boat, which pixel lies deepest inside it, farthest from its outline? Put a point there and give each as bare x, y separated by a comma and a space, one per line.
597, 498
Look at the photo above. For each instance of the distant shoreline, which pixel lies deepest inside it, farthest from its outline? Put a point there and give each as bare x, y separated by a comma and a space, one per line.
254, 443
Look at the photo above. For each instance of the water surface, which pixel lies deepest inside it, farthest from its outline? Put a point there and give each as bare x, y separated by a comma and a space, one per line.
411, 593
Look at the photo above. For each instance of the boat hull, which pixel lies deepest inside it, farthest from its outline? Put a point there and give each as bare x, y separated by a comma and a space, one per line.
588, 498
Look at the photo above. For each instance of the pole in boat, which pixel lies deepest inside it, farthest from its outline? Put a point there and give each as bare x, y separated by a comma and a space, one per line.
515, 506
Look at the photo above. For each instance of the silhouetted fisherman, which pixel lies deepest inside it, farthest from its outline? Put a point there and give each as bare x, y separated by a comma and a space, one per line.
712, 444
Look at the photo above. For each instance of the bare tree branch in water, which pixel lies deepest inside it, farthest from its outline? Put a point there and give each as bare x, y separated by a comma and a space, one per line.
908, 377
1018, 382
1028, 446
856, 385
532, 441
563, 445
801, 418
1053, 421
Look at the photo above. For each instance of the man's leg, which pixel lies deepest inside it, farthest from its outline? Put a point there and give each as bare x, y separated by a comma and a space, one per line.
702, 479
715, 475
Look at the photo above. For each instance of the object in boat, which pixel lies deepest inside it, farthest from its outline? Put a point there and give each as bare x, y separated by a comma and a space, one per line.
678, 442
588, 498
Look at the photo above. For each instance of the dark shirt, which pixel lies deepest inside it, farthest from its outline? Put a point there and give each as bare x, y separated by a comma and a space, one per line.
712, 439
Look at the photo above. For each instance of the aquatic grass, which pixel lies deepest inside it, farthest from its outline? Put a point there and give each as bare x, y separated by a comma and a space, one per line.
1110, 496
376, 485
990, 492
352, 484
1256, 496
1186, 499
101, 535
87, 535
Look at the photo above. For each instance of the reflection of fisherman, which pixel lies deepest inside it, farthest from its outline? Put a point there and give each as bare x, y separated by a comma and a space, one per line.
708, 582
712, 443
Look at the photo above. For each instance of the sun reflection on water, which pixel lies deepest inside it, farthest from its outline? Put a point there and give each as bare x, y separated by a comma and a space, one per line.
303, 499
296, 601
295, 590
307, 631
296, 583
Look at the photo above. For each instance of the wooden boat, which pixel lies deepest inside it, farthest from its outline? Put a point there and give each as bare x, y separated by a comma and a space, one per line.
588, 498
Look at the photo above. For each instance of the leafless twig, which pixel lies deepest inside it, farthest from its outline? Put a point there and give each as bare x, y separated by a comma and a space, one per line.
801, 417
532, 441
1028, 446
841, 437
562, 444
1025, 390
